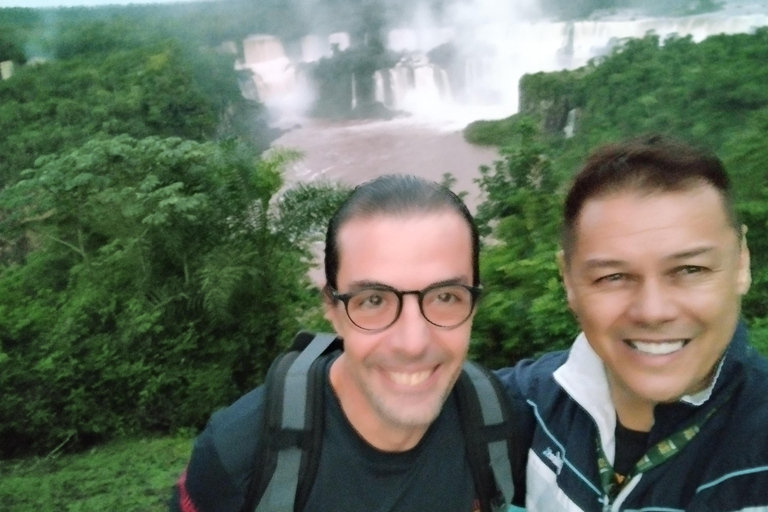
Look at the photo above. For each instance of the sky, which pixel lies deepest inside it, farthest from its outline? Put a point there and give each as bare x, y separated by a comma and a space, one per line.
88, 3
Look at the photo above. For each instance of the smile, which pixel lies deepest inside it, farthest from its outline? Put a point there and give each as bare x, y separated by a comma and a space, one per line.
409, 378
657, 348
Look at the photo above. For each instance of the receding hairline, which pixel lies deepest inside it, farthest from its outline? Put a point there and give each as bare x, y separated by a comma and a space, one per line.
402, 211
416, 212
404, 216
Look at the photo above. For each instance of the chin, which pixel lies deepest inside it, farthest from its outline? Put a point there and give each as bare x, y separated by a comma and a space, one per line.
423, 416
664, 396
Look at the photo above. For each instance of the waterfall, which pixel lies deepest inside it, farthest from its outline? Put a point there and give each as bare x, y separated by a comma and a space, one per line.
312, 48
380, 94
402, 83
570, 124
6, 69
444, 85
424, 82
273, 73
592, 38
262, 48
482, 64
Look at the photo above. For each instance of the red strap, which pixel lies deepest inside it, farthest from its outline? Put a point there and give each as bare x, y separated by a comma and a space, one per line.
185, 502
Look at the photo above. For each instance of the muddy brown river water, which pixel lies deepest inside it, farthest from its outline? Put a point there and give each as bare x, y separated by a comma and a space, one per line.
353, 152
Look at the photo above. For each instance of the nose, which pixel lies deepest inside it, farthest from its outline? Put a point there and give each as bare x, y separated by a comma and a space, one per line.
652, 304
412, 336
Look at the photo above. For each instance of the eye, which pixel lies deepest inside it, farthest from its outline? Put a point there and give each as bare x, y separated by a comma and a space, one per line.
688, 270
369, 299
373, 300
611, 278
447, 297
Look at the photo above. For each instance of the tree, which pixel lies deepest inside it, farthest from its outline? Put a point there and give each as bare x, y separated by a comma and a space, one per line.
162, 275
155, 88
523, 310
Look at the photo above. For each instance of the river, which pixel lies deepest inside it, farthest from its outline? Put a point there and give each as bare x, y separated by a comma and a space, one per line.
352, 152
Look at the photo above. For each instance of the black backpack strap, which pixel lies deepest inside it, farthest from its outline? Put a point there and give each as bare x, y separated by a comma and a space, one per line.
489, 436
290, 437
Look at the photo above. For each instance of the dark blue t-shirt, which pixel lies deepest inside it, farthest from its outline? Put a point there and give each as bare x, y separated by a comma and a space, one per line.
352, 475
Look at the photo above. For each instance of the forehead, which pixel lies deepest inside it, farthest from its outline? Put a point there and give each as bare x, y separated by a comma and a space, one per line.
657, 223
405, 251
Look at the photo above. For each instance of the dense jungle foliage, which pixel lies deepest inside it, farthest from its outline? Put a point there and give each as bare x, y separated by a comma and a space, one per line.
130, 475
151, 263
711, 94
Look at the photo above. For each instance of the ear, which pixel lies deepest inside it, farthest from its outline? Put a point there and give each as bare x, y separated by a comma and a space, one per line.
562, 264
744, 278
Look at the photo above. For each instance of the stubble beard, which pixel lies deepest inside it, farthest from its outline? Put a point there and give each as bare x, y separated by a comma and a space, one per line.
414, 415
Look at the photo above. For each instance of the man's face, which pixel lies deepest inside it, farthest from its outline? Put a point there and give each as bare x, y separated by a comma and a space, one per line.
400, 377
656, 282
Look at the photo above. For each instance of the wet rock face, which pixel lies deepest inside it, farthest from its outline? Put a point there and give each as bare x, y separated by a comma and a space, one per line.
548, 97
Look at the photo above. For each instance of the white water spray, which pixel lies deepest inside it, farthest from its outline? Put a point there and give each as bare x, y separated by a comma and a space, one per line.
496, 43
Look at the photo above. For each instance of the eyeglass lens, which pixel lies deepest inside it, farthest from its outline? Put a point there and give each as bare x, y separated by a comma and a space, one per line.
445, 306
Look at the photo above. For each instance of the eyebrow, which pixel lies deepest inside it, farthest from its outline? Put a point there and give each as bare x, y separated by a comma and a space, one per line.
359, 285
692, 253
366, 283
597, 263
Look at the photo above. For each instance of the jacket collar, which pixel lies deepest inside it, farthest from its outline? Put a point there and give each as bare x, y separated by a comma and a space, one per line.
583, 377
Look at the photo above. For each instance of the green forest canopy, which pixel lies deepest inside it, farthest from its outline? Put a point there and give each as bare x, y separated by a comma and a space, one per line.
149, 269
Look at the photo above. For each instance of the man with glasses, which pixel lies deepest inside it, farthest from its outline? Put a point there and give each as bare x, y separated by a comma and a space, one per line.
402, 282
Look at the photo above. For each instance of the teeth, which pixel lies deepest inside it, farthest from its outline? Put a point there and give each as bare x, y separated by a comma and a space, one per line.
657, 348
410, 379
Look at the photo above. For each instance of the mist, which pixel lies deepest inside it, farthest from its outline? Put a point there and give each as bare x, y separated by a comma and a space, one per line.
459, 60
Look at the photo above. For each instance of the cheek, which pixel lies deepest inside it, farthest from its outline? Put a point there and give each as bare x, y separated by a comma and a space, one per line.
715, 302
599, 310
457, 341
359, 347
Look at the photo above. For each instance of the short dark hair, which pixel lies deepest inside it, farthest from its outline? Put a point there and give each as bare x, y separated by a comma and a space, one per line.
649, 164
395, 195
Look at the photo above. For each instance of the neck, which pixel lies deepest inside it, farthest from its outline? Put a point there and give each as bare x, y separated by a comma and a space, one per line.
365, 420
634, 413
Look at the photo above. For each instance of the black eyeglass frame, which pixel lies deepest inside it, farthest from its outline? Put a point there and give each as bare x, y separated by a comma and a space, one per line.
474, 291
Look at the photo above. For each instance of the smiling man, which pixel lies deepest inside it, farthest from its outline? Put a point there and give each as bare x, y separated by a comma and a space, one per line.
403, 351
402, 283
661, 404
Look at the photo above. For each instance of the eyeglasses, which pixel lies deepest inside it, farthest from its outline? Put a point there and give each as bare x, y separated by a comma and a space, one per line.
375, 308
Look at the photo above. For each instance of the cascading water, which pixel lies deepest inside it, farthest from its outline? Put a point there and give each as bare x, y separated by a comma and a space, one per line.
273, 72
448, 76
488, 65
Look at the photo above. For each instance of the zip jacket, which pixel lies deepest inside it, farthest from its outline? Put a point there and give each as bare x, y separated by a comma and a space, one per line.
564, 410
